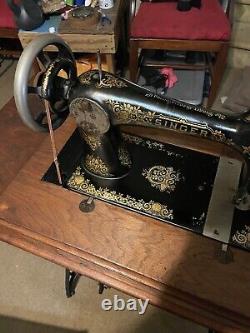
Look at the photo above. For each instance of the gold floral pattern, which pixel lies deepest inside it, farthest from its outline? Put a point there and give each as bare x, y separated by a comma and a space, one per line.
111, 81
46, 77
86, 78
79, 182
93, 141
242, 237
96, 165
124, 157
162, 178
151, 144
128, 113
108, 80
219, 136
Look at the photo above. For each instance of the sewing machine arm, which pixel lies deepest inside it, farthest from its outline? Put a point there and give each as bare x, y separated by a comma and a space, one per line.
100, 103
115, 102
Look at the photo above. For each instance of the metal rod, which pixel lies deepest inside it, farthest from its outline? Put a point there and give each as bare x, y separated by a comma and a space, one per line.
99, 64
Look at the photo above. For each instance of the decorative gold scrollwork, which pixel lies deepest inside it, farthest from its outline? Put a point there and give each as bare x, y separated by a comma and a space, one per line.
242, 237
96, 165
162, 178
79, 182
135, 114
124, 157
128, 112
93, 141
150, 144
107, 81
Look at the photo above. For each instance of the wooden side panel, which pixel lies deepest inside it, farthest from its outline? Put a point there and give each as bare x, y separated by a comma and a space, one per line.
78, 42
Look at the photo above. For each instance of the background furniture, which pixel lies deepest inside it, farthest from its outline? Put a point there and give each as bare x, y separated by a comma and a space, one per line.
177, 270
161, 26
85, 38
9, 43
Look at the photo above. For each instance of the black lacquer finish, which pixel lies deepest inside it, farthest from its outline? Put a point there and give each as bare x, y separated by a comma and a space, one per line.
168, 183
180, 197
125, 103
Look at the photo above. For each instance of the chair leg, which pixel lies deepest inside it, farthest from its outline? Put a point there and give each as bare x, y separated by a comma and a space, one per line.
110, 58
218, 70
133, 60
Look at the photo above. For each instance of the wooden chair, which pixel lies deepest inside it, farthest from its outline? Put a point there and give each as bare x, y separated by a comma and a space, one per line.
160, 26
10, 45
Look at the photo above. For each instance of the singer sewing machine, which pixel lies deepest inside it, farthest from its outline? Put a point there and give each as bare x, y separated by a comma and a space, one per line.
200, 192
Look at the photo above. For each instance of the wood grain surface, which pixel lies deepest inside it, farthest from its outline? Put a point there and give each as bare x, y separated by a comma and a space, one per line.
176, 269
72, 24
83, 37
17, 144
77, 42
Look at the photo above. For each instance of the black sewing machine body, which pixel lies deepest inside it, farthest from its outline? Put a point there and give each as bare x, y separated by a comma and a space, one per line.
172, 184
116, 102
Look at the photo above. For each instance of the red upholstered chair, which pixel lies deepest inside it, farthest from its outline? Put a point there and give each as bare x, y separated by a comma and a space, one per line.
8, 30
161, 26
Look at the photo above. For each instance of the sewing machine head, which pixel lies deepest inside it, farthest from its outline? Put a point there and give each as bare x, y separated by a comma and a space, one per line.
100, 102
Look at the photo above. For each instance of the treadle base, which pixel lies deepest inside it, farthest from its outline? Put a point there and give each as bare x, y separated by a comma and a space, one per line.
166, 182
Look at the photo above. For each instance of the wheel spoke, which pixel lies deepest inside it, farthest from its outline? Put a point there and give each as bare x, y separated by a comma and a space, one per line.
63, 52
34, 90
43, 60
40, 117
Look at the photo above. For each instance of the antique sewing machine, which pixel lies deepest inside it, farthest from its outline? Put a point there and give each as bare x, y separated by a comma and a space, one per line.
200, 192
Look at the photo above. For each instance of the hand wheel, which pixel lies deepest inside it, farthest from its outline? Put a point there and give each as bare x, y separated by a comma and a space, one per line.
57, 75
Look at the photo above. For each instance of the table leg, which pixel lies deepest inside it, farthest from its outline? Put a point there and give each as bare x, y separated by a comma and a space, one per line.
218, 71
71, 281
110, 58
102, 287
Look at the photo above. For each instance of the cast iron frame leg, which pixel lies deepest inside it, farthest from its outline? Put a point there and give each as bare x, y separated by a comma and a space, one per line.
102, 287
71, 281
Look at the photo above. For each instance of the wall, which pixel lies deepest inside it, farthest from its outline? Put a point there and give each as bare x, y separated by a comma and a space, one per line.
239, 53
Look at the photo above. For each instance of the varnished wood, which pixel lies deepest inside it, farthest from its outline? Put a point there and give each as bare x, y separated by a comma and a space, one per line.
8, 33
179, 44
176, 269
110, 60
78, 42
217, 72
8, 36
17, 144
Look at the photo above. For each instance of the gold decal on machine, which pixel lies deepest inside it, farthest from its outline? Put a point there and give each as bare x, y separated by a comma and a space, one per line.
130, 114
162, 178
96, 165
79, 182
